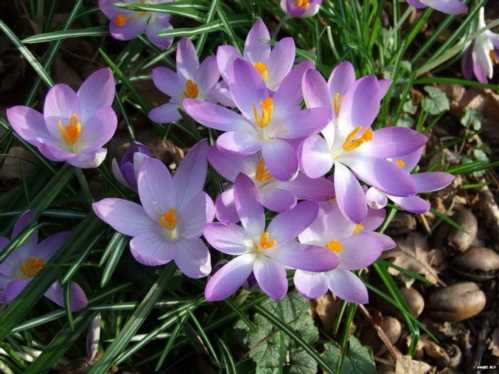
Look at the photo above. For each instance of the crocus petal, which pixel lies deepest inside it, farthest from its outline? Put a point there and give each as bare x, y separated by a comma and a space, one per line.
229, 278
134, 26
304, 123
286, 226
78, 299
226, 55
243, 142
207, 75
249, 210
225, 207
374, 219
165, 113
214, 116
229, 239
28, 124
271, 277
14, 288
341, 79
349, 194
360, 251
281, 158
281, 61
124, 216
248, 88
315, 91
257, 44
289, 95
432, 181
453, 7
482, 66
193, 215
96, 92
50, 150
384, 240
410, 160
158, 24
60, 103
116, 170
98, 129
347, 286
306, 188
416, 3
167, 81
413, 204
229, 164
364, 94
393, 141
383, 175
310, 285
193, 258
151, 249
305, 257
376, 199
23, 222
89, 159
51, 245
316, 160
277, 199
187, 59
190, 176
156, 188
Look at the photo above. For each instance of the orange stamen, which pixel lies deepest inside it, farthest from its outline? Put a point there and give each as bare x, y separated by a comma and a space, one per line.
353, 142
168, 220
263, 70
120, 20
191, 89
262, 173
334, 246
31, 266
262, 120
72, 131
266, 242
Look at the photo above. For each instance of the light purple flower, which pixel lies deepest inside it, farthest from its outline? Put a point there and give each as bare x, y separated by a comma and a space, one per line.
445, 6
270, 124
425, 182
356, 245
126, 24
273, 64
127, 169
301, 8
170, 220
74, 126
350, 145
21, 266
273, 194
482, 54
265, 252
192, 80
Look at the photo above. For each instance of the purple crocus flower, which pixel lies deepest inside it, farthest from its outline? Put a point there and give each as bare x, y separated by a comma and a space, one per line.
192, 80
301, 8
482, 54
170, 220
350, 145
425, 182
126, 24
127, 169
74, 126
356, 245
273, 194
268, 123
273, 64
445, 6
265, 252
21, 266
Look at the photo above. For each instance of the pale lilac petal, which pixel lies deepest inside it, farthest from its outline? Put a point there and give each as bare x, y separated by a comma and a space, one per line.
157, 24
360, 251
349, 194
98, 129
124, 216
310, 285
187, 59
431, 181
306, 188
166, 113
151, 249
289, 95
249, 210
229, 278
14, 288
214, 116
392, 142
304, 123
156, 188
207, 75
411, 160
51, 245
347, 286
413, 204
226, 207
135, 26
229, 164
193, 258
277, 199
271, 277
286, 226
374, 219
88, 159
305, 257
190, 176
364, 94
51, 151
193, 216
257, 44
60, 103
28, 123
315, 91
209, 208
226, 55
243, 142
376, 199
24, 220
78, 299
281, 158
316, 160
385, 241
116, 170
248, 88
341, 79
281, 61
229, 239
96, 92
167, 81
416, 3
481, 65
453, 7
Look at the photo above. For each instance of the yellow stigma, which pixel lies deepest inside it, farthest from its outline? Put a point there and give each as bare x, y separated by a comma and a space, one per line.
353, 142
120, 20
266, 242
493, 56
31, 266
400, 163
263, 119
358, 228
262, 173
334, 246
168, 220
302, 3
262, 69
191, 89
337, 99
72, 131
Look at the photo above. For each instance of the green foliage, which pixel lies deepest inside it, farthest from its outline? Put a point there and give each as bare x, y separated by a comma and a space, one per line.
358, 360
436, 102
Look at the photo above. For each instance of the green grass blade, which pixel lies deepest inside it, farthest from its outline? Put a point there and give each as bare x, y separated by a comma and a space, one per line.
204, 29
188, 9
66, 34
115, 249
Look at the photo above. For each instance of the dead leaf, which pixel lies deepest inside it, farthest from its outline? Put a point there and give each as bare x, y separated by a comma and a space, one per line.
406, 365
494, 342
